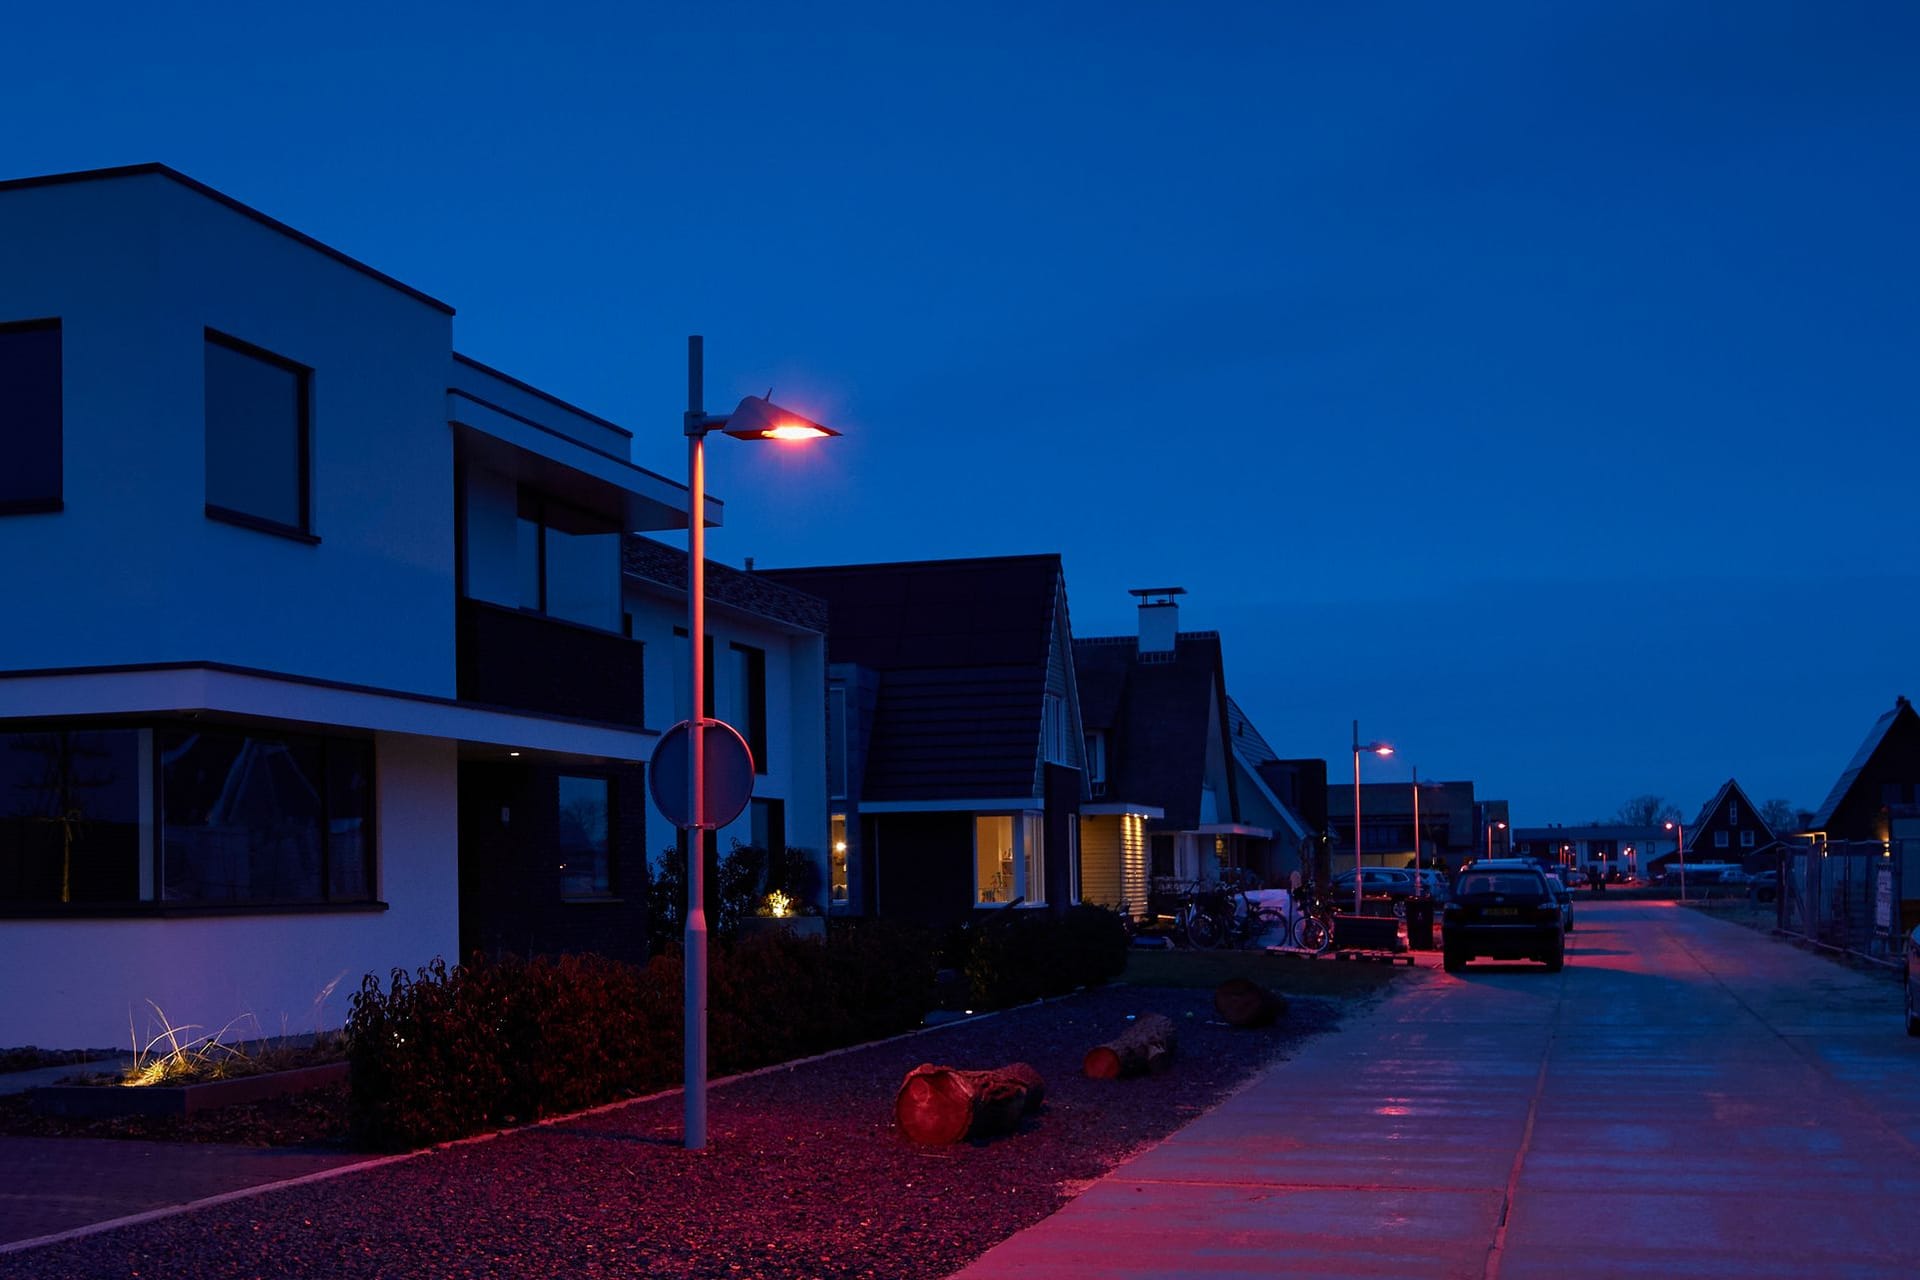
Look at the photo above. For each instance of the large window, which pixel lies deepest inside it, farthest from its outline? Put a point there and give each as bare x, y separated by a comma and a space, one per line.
30, 439
184, 815
257, 428
264, 817
568, 562
72, 808
586, 845
1008, 860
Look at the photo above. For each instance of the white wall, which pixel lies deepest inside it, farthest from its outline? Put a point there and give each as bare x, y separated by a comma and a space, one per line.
132, 571
74, 983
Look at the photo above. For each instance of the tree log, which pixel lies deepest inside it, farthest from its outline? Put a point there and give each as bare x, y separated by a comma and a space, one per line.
1147, 1045
940, 1105
1242, 1003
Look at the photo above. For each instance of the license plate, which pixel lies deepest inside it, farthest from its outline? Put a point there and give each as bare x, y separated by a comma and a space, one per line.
1501, 911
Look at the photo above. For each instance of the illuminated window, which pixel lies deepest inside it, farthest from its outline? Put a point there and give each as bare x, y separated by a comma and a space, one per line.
837, 859
1009, 863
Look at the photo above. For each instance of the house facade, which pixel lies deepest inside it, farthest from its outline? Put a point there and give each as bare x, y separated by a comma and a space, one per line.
1604, 847
333, 665
1155, 714
955, 770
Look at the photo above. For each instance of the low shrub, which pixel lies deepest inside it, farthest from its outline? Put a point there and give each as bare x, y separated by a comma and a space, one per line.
443, 1053
1012, 958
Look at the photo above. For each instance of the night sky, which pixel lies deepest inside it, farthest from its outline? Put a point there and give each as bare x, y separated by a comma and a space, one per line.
1535, 383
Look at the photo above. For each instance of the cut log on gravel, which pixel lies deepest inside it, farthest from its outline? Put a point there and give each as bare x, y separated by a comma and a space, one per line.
1145, 1046
1244, 1003
939, 1105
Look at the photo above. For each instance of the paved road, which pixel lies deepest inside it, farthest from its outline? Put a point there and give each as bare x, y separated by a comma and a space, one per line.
1688, 1098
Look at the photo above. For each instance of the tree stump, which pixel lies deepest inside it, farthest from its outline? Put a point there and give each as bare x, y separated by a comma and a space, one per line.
941, 1105
1242, 1003
1145, 1046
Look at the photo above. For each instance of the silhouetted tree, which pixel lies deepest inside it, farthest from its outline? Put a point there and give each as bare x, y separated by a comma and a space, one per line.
1647, 811
1780, 816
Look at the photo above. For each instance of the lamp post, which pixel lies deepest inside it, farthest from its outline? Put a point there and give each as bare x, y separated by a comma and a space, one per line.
1416, 823
1679, 830
1379, 749
1490, 827
754, 419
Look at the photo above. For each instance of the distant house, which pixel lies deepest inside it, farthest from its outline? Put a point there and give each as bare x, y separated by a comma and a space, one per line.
955, 759
1155, 712
1602, 847
1728, 828
1452, 823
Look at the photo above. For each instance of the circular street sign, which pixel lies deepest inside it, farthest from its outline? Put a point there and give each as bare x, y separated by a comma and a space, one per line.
727, 777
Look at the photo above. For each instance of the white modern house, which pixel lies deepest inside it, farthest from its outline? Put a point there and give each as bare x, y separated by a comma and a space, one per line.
319, 657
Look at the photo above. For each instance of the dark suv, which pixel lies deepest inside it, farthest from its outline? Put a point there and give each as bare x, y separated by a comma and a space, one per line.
1504, 913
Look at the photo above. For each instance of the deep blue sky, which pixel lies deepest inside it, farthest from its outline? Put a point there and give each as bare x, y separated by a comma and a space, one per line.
1535, 383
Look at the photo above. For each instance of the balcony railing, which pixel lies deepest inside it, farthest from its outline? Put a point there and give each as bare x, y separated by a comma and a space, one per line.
512, 658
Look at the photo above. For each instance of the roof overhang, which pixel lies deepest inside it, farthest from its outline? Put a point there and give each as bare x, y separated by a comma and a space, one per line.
1234, 829
1000, 804
525, 450
1121, 809
191, 689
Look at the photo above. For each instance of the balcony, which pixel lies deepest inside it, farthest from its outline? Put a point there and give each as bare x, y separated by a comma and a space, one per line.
513, 658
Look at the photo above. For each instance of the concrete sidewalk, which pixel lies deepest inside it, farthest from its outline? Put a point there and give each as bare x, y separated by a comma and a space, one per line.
1689, 1098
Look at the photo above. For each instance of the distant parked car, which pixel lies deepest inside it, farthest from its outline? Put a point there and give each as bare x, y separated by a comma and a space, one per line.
1394, 883
1764, 886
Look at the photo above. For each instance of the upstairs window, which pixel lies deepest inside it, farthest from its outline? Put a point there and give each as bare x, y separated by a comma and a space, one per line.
257, 437
1733, 813
1719, 839
569, 562
1746, 838
30, 441
750, 684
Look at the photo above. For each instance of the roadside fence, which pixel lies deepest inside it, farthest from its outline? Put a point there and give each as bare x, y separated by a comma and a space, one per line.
1846, 895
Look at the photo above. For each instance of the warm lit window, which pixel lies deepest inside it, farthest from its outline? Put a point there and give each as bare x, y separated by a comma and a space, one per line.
837, 859
568, 562
586, 848
1009, 862
30, 428
257, 437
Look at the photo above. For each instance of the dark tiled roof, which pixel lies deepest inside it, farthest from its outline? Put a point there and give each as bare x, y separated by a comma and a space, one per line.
961, 649
1156, 714
666, 566
1246, 739
1875, 736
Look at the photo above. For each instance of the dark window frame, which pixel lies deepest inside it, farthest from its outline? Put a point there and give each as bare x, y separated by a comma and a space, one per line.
752, 697
303, 445
539, 502
612, 891
43, 506
161, 906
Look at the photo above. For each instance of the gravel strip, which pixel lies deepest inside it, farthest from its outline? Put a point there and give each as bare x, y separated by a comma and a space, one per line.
805, 1176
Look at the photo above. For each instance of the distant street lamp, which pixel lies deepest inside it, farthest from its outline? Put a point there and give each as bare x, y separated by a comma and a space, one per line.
754, 419
1490, 828
1680, 846
1379, 749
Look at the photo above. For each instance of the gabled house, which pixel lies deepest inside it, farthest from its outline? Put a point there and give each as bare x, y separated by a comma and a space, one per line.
1154, 707
1266, 787
1728, 828
1880, 785
955, 770
322, 659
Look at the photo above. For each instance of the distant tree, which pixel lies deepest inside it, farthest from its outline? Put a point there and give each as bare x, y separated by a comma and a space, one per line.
1646, 811
1780, 816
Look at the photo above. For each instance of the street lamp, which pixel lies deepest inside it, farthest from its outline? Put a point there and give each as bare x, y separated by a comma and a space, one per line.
1680, 847
1379, 749
1490, 829
754, 419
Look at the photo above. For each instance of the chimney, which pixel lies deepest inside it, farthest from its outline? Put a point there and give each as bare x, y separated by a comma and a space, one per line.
1159, 617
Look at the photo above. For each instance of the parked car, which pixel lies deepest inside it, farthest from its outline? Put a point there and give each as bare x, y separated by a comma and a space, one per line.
1394, 883
1556, 878
1912, 983
1764, 886
1504, 913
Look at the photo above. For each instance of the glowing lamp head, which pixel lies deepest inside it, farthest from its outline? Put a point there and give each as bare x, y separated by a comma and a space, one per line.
1667, 825
760, 419
1383, 750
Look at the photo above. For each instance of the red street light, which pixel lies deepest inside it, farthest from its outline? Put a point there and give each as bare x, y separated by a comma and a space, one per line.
755, 419
1379, 749
1680, 846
